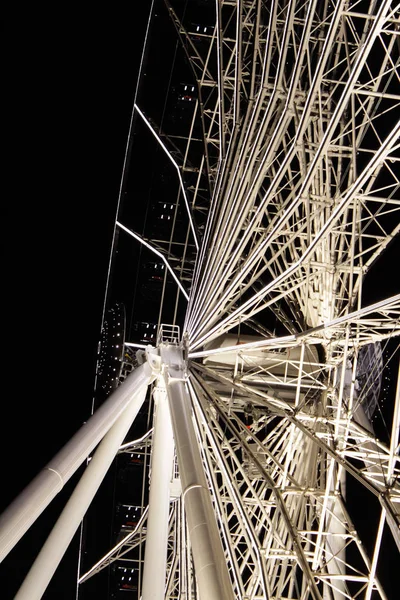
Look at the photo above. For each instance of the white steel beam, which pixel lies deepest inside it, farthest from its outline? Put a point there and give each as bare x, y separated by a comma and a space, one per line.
26, 508
209, 559
48, 559
155, 558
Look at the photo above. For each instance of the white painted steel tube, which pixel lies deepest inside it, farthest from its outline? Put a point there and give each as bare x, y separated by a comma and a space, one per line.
42, 570
27, 507
155, 557
208, 555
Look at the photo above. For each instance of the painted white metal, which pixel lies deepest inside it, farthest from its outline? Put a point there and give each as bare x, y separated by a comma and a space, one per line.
48, 559
26, 508
211, 571
155, 558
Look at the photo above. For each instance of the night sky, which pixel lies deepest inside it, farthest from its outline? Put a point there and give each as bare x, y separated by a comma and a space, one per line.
69, 81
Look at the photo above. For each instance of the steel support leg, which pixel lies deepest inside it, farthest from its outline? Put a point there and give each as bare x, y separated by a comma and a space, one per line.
63, 531
209, 559
26, 508
155, 558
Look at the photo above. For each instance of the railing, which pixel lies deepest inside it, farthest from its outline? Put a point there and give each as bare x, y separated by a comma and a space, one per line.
168, 334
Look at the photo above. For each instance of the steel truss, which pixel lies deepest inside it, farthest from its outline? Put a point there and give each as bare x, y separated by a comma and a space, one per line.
289, 179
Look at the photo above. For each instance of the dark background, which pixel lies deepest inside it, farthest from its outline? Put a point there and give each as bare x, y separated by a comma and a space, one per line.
68, 88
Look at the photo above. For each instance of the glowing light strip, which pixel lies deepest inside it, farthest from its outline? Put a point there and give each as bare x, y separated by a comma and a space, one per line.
163, 146
127, 147
159, 254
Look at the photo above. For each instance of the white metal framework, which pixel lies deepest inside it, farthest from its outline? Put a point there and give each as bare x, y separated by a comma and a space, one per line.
263, 406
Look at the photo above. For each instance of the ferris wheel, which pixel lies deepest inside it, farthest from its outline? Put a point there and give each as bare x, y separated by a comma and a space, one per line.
269, 446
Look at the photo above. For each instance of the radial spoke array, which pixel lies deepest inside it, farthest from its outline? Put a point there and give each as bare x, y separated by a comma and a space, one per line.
289, 175
297, 213
299, 106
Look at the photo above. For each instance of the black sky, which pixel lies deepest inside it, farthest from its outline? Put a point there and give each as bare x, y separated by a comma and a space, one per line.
68, 85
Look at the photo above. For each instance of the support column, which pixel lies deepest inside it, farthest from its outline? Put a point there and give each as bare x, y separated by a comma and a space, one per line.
155, 557
27, 507
209, 559
63, 531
